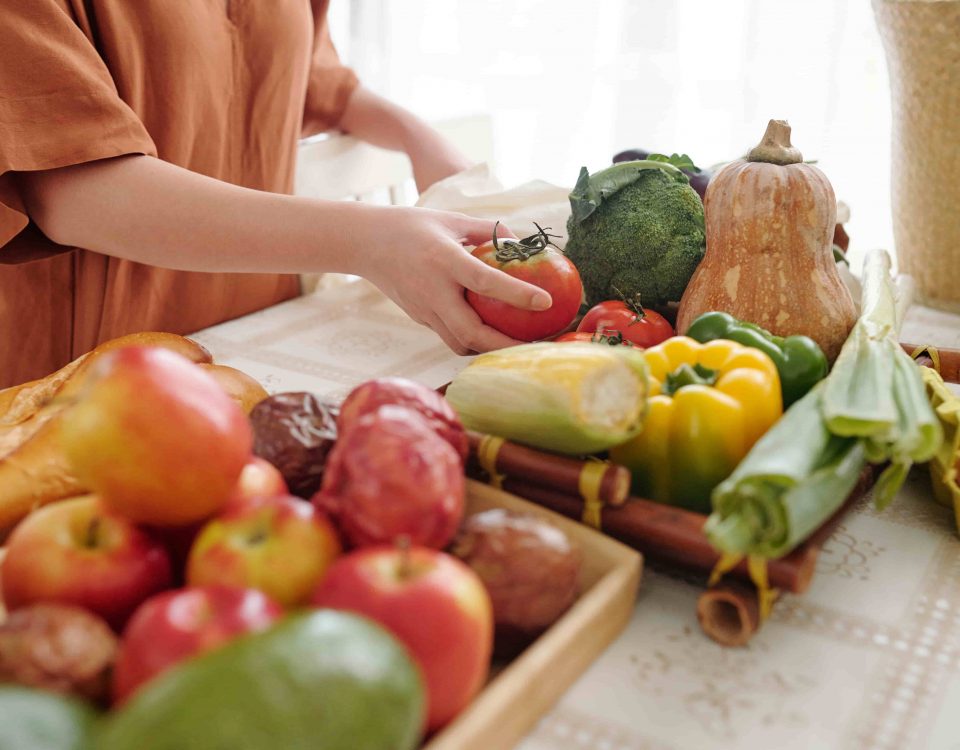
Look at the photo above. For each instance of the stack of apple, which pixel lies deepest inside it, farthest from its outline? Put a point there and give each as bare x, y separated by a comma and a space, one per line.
190, 540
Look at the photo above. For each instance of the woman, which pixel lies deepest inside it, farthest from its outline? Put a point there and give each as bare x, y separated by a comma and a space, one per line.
160, 138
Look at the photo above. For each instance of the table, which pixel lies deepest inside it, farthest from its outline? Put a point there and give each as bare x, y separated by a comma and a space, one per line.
867, 659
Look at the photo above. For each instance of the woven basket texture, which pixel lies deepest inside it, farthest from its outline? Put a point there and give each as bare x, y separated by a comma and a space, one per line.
921, 39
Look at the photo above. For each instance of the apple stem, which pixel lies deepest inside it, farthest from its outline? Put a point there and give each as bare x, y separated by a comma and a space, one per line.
403, 543
259, 536
93, 531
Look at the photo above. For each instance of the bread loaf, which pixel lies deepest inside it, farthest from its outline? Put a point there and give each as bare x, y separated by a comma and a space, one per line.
33, 469
237, 384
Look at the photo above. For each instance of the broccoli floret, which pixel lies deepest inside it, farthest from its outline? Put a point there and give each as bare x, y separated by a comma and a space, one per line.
635, 230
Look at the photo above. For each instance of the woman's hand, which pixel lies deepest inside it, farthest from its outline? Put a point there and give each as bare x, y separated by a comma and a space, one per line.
417, 258
433, 158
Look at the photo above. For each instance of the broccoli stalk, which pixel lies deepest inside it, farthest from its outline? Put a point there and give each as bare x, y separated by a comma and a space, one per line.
635, 228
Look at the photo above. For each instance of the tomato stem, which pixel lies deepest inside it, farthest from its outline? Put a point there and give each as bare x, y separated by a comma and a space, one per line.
522, 249
634, 304
610, 336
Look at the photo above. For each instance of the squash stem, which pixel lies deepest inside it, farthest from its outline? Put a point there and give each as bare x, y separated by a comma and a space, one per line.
775, 146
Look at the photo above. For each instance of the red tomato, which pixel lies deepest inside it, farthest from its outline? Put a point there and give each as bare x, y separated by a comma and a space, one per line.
646, 328
535, 261
613, 338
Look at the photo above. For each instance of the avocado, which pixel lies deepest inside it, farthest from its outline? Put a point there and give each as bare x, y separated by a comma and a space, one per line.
38, 720
323, 680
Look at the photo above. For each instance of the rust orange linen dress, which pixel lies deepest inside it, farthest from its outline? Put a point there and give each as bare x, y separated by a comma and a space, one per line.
221, 87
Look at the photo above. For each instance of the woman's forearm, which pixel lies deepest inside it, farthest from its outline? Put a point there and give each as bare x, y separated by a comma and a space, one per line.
376, 120
147, 210
379, 121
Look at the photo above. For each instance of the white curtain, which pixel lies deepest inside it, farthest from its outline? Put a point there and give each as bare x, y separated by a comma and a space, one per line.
570, 83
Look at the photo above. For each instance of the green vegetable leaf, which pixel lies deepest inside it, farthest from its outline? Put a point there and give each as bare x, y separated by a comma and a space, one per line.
889, 483
585, 198
680, 161
591, 190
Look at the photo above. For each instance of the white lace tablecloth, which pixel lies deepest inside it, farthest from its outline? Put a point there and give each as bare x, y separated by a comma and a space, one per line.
867, 659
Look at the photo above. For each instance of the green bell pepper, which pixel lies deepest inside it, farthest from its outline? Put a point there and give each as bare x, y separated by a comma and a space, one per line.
799, 360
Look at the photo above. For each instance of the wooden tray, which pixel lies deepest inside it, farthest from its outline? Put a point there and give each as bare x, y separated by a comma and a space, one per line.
520, 692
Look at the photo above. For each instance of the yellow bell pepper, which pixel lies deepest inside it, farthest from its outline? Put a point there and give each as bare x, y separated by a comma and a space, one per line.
708, 404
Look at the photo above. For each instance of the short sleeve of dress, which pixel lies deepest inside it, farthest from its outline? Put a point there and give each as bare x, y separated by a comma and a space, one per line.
330, 83
58, 103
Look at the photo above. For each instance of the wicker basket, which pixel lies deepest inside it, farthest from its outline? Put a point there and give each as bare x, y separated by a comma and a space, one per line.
922, 43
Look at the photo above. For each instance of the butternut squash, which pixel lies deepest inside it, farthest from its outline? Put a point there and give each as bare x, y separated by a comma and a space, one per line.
770, 220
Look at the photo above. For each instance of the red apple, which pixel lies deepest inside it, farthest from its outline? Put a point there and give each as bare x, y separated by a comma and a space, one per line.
367, 397
259, 478
434, 604
280, 545
391, 476
175, 625
77, 552
156, 437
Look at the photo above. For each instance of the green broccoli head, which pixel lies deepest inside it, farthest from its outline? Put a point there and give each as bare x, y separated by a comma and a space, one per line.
635, 229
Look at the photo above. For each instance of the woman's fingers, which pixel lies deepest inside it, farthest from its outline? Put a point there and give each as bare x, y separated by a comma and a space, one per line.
487, 281
435, 321
441, 329
466, 327
428, 280
477, 231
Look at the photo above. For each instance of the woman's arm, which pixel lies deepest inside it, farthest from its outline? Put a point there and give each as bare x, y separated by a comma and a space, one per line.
147, 210
376, 120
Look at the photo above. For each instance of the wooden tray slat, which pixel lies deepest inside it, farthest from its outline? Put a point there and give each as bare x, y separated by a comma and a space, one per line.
519, 694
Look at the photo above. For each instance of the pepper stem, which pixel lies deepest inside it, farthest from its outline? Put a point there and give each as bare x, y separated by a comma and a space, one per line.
686, 375
775, 146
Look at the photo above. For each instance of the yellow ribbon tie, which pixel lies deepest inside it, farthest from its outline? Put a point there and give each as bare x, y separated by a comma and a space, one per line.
487, 453
727, 562
932, 351
757, 568
589, 481
766, 596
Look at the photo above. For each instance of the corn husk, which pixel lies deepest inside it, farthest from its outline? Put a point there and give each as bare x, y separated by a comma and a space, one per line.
571, 398
874, 391
871, 407
795, 477
945, 465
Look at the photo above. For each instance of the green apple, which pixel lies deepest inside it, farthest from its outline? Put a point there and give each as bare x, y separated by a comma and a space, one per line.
280, 545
